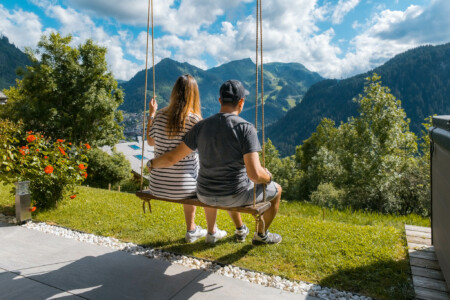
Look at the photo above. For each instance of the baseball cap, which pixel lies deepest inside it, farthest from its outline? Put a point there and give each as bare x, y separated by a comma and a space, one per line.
232, 90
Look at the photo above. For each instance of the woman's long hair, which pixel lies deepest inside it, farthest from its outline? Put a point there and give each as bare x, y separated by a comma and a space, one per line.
185, 98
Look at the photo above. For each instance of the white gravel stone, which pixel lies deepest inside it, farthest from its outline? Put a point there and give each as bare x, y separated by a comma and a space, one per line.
299, 287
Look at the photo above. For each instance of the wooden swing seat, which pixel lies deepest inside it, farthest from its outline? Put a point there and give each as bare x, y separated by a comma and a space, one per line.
257, 210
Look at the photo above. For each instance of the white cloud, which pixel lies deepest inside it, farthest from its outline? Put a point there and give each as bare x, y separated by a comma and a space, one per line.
22, 28
342, 8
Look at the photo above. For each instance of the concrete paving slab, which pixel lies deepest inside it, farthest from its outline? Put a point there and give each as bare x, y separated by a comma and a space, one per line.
221, 287
36, 265
15, 287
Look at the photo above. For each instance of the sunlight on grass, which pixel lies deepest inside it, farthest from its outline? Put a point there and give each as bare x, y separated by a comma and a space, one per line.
354, 251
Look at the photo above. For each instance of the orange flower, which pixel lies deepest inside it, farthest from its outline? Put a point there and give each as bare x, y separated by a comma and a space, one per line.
29, 132
48, 169
60, 141
73, 196
32, 209
81, 166
87, 146
24, 147
70, 144
37, 150
85, 175
22, 152
62, 151
31, 138
45, 157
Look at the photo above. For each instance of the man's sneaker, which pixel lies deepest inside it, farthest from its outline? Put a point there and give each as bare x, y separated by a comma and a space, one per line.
192, 236
268, 238
241, 234
218, 235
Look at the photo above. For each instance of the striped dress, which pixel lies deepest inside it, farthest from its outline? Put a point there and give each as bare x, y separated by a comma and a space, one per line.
179, 181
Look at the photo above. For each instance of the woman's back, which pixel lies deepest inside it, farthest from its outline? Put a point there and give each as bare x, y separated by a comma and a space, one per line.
178, 181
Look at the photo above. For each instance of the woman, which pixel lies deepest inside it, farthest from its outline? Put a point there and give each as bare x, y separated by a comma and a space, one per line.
165, 130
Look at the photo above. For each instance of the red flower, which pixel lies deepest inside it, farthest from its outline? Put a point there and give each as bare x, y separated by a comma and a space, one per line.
73, 196
24, 147
37, 150
29, 132
85, 175
31, 138
62, 151
32, 209
87, 146
81, 166
45, 157
70, 144
48, 169
22, 152
60, 141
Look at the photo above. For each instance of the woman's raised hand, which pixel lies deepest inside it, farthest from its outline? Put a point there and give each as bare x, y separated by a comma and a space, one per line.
152, 107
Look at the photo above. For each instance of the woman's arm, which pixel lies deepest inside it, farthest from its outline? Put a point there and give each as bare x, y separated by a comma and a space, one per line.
152, 108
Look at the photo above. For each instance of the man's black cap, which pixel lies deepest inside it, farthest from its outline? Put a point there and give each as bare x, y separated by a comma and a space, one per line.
232, 91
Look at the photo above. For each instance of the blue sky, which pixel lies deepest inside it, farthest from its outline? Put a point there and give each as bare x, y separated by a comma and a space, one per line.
336, 38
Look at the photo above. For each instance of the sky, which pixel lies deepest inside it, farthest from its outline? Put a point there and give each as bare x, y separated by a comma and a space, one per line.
336, 38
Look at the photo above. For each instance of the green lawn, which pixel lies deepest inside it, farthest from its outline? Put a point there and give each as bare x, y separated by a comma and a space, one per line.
353, 251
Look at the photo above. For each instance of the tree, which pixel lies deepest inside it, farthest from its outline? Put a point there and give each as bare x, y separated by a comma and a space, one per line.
68, 93
371, 162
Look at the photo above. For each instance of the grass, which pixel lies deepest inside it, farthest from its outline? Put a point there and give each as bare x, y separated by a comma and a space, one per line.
354, 251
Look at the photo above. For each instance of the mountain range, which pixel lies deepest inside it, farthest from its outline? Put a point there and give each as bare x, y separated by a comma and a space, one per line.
11, 58
420, 78
284, 85
296, 99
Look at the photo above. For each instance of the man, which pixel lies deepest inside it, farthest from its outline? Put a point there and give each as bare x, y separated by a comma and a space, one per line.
228, 149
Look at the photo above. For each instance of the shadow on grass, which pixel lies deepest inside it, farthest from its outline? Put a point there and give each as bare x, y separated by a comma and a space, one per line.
181, 247
388, 279
8, 210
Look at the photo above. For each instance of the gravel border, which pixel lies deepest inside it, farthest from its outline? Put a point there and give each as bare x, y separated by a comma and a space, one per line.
277, 282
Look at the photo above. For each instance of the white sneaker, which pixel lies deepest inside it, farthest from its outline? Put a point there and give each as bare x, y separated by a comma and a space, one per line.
191, 237
218, 235
241, 234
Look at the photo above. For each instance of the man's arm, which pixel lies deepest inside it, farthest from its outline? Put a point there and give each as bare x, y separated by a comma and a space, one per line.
172, 157
255, 171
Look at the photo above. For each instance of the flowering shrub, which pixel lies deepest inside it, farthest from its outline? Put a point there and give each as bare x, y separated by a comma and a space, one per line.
53, 168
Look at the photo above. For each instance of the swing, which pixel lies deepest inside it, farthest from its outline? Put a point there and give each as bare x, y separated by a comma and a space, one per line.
257, 210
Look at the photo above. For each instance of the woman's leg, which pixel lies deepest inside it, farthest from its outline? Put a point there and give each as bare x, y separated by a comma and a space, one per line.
211, 215
189, 216
236, 217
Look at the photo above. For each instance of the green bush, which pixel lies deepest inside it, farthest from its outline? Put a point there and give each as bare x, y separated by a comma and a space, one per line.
54, 168
105, 169
328, 196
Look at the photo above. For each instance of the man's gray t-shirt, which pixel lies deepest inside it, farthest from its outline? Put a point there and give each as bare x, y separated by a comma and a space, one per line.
221, 141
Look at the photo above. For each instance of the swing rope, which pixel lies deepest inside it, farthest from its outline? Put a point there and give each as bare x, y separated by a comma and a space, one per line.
150, 6
259, 47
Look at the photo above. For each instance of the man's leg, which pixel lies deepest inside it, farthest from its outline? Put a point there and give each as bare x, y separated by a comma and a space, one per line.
189, 216
270, 214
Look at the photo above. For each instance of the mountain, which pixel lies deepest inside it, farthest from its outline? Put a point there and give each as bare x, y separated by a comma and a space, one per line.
11, 58
284, 85
420, 78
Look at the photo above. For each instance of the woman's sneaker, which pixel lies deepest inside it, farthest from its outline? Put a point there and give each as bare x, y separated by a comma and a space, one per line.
241, 234
218, 235
192, 236
268, 238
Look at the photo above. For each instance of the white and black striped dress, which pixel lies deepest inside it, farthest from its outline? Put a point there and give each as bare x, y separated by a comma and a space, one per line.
179, 181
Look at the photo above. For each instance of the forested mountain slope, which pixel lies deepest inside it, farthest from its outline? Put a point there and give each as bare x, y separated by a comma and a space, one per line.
420, 78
